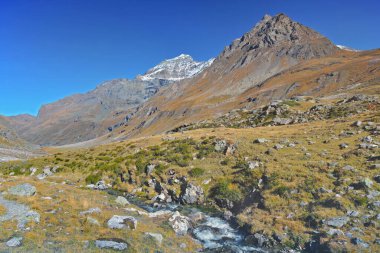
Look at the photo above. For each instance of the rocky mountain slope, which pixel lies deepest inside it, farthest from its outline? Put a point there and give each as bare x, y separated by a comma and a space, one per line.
81, 117
279, 58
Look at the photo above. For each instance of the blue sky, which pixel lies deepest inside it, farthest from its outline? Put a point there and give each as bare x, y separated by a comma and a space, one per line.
53, 48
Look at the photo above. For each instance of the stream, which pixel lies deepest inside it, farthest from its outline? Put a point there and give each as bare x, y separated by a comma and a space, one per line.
214, 233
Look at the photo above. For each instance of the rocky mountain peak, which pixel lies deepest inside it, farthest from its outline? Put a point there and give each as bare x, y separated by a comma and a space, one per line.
175, 69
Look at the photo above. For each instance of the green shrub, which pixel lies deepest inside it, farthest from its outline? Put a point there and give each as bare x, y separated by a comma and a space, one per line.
93, 178
223, 190
196, 172
282, 191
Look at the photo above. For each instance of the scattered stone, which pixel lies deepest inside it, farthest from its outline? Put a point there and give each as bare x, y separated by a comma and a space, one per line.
91, 211
227, 215
343, 145
374, 166
156, 236
25, 190
337, 222
377, 178
220, 145
14, 242
120, 222
278, 146
180, 224
122, 201
348, 168
333, 231
367, 139
357, 123
253, 164
260, 140
101, 185
33, 170
116, 244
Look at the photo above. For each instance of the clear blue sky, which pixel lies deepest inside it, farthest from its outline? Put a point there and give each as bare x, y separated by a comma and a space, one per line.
53, 48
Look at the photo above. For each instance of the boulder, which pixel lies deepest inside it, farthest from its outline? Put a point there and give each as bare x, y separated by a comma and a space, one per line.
191, 194
180, 224
155, 236
120, 222
116, 244
220, 145
25, 190
337, 222
260, 140
14, 242
122, 201
91, 211
149, 169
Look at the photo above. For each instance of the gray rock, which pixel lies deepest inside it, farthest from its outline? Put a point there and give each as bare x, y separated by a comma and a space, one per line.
33, 170
149, 169
337, 222
343, 145
253, 164
25, 190
191, 194
357, 123
278, 146
156, 236
367, 139
220, 145
333, 231
120, 222
122, 201
359, 242
91, 211
14, 242
260, 140
92, 221
353, 213
374, 166
180, 224
348, 168
116, 244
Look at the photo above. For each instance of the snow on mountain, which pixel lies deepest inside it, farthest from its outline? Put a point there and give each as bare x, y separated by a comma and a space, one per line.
347, 48
175, 69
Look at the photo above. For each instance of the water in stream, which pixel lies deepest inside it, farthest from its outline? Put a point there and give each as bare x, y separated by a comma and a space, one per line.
215, 234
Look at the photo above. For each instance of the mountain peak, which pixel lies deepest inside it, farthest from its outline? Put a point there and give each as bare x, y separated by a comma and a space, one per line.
175, 69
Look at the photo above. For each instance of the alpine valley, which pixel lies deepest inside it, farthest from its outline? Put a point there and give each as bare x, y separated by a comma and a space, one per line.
272, 146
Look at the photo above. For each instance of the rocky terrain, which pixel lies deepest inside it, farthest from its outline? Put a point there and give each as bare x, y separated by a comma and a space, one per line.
271, 147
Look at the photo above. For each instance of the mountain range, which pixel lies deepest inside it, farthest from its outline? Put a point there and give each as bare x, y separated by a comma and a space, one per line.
278, 58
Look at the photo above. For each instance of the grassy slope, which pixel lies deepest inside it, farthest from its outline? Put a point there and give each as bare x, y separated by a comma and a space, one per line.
287, 169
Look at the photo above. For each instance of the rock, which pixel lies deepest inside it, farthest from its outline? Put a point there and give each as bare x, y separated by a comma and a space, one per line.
260, 140
120, 222
367, 139
367, 182
253, 164
258, 240
357, 123
33, 170
353, 213
231, 148
116, 244
92, 221
25, 190
196, 217
333, 231
191, 194
47, 171
374, 166
101, 185
278, 146
156, 236
220, 146
41, 176
180, 224
377, 178
343, 145
31, 215
122, 201
91, 211
337, 222
348, 168
149, 169
227, 215
359, 242
14, 242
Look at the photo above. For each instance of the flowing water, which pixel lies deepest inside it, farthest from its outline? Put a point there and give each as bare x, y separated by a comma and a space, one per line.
214, 233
